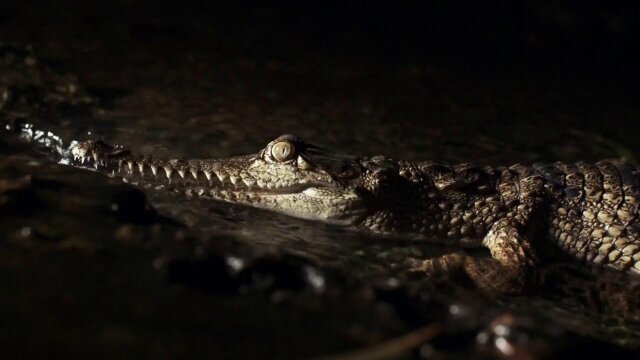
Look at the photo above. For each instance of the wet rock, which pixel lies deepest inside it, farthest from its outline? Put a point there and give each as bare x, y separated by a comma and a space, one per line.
230, 272
512, 336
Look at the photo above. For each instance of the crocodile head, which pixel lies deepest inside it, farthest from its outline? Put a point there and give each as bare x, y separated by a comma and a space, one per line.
288, 176
292, 177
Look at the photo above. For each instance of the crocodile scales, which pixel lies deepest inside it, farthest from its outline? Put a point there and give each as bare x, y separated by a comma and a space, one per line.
589, 211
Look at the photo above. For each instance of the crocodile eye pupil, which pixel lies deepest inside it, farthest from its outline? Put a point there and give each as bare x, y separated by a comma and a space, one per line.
283, 151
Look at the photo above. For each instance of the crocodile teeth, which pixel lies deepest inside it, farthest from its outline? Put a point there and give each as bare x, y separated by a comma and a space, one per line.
168, 171
141, 168
181, 173
194, 173
261, 183
221, 177
208, 175
249, 182
95, 157
120, 165
200, 191
154, 169
234, 179
130, 164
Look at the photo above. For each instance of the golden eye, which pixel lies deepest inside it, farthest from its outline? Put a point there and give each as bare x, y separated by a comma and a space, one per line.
283, 151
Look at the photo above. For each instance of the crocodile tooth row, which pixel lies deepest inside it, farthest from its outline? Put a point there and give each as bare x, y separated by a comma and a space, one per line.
90, 155
170, 170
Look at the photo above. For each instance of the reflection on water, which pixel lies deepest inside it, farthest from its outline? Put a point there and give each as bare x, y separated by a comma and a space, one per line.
365, 255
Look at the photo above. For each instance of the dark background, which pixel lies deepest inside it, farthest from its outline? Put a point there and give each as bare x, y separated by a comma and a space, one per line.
483, 68
587, 38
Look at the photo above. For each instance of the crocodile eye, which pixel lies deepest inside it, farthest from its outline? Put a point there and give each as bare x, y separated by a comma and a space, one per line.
283, 151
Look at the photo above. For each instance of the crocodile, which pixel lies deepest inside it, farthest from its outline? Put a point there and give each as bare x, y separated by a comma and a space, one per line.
587, 211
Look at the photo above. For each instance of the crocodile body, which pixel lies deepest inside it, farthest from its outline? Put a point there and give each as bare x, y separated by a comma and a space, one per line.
588, 211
